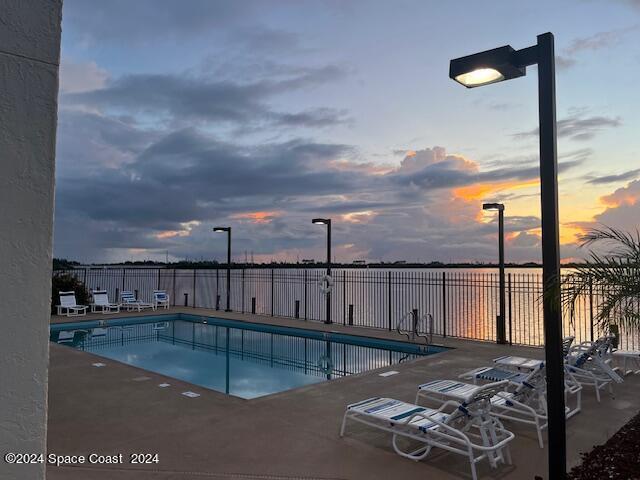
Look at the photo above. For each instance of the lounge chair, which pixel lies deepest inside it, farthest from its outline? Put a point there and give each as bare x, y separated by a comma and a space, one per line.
130, 302
588, 364
69, 307
160, 299
435, 428
524, 404
101, 302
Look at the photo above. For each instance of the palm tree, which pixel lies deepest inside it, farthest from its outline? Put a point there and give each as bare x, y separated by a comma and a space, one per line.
615, 274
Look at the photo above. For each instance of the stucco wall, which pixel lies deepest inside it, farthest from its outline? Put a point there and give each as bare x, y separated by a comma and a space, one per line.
29, 58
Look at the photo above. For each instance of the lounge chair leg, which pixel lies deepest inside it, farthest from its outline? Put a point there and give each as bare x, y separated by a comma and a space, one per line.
344, 423
539, 430
472, 464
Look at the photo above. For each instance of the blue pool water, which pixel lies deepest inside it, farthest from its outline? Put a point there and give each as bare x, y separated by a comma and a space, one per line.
238, 358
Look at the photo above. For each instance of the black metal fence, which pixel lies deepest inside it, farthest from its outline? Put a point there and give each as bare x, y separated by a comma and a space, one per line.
463, 303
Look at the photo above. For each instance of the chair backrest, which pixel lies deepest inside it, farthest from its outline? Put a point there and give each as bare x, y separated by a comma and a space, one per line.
127, 296
68, 299
100, 297
160, 295
566, 345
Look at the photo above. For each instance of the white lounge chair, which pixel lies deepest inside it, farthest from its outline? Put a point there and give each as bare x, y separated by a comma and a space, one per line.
588, 364
130, 302
101, 302
69, 307
160, 299
435, 428
523, 404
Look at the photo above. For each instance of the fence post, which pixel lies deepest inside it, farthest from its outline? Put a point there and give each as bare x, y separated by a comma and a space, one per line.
186, 299
174, 287
389, 298
253, 305
444, 304
272, 297
344, 296
350, 314
591, 306
510, 308
194, 288
158, 279
297, 314
305, 295
124, 271
242, 290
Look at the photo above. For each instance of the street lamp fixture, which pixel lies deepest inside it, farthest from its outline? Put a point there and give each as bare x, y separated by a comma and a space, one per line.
228, 230
501, 329
327, 222
505, 63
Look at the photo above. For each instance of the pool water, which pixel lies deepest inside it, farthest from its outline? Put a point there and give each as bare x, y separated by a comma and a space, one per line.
238, 358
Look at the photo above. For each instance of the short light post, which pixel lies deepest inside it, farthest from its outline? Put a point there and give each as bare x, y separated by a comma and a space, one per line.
505, 63
327, 222
501, 329
228, 230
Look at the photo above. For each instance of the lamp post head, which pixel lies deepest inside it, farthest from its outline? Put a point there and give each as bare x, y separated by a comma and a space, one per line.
484, 68
493, 206
321, 221
221, 229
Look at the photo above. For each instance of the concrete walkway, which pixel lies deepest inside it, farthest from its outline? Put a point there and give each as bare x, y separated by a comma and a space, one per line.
294, 434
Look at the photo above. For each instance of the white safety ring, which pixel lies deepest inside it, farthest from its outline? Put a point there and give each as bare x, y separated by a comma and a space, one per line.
326, 284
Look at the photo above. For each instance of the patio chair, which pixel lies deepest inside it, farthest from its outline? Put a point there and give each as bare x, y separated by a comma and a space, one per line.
130, 302
69, 307
588, 364
101, 302
435, 428
522, 405
160, 299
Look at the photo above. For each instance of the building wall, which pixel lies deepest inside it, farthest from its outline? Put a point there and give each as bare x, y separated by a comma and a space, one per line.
29, 58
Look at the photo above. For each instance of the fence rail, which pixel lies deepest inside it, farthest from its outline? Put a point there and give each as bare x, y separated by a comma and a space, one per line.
463, 304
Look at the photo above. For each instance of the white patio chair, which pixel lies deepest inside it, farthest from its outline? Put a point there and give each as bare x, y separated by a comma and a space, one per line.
101, 303
160, 299
467, 432
130, 302
588, 364
69, 307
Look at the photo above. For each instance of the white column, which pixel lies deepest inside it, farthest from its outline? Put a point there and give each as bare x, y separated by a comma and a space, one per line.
29, 58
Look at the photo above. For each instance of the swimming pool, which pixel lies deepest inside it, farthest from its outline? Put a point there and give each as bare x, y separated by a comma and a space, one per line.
243, 359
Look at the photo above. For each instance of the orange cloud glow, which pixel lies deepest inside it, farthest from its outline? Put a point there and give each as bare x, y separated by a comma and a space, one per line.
480, 190
255, 217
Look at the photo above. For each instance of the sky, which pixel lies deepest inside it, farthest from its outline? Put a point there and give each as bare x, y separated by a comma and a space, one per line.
177, 116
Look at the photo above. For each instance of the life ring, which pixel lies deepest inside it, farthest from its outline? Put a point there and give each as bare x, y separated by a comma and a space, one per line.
326, 284
325, 365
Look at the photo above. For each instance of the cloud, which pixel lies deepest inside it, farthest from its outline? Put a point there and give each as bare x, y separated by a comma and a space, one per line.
597, 41
167, 189
184, 99
150, 21
76, 77
625, 176
577, 126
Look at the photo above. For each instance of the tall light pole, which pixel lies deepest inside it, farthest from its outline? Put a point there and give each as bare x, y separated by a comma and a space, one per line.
327, 222
505, 63
228, 230
501, 330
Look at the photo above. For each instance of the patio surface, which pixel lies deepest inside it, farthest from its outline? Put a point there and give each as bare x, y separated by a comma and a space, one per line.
288, 435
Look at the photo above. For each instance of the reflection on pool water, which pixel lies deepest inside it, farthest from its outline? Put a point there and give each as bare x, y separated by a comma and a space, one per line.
237, 358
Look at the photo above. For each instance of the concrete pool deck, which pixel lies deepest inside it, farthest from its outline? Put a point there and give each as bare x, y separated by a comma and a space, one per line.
294, 434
